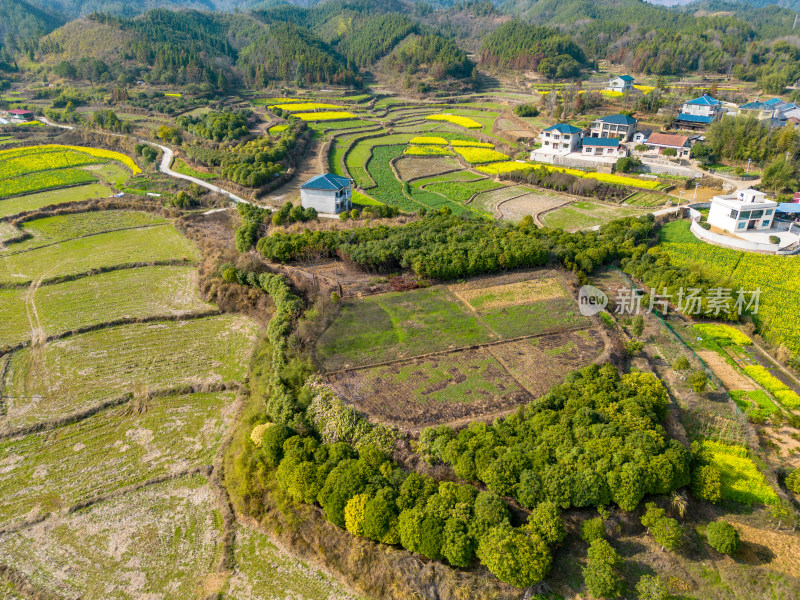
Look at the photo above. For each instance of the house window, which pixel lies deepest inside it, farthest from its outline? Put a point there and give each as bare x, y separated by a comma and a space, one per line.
741, 225
765, 223
769, 212
734, 214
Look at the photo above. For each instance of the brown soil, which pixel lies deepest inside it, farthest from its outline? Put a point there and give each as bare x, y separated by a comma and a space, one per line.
530, 204
731, 379
411, 168
519, 371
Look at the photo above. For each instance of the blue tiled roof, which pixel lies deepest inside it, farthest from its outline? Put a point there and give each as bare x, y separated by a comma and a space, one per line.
753, 106
563, 128
329, 181
773, 102
618, 120
626, 77
592, 141
788, 207
704, 100
695, 118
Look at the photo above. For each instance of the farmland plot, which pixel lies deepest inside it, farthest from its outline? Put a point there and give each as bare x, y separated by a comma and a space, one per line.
33, 182
79, 372
65, 227
433, 390
96, 252
48, 471
31, 202
264, 571
130, 293
411, 168
162, 541
398, 325
14, 317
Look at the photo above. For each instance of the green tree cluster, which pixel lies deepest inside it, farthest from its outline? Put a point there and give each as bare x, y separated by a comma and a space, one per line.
723, 537
219, 126
593, 440
444, 246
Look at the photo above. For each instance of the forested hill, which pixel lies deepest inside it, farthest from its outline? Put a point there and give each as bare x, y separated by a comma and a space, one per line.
21, 22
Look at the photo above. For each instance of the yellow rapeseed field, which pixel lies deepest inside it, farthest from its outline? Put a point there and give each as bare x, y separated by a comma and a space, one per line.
457, 120
96, 152
428, 141
325, 116
510, 166
427, 151
481, 155
307, 106
471, 144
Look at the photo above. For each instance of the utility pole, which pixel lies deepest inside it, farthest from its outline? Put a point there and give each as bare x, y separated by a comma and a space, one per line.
795, 22
747, 170
696, 185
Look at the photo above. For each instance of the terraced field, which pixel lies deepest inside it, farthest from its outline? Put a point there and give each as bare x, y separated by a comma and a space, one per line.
104, 250
32, 202
74, 374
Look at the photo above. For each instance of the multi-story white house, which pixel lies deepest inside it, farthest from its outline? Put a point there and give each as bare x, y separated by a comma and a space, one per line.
699, 113
614, 126
743, 211
623, 83
558, 140
328, 193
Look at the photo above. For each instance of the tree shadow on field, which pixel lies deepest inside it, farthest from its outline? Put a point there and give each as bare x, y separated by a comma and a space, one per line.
753, 554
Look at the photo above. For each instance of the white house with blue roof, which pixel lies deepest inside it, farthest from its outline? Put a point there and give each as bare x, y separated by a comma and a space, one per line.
328, 193
606, 147
774, 110
699, 113
614, 126
623, 83
560, 139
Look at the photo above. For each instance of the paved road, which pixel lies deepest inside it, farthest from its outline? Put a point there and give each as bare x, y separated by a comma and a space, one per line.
164, 167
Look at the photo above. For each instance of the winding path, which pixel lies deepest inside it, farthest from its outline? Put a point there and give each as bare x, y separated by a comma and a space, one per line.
164, 167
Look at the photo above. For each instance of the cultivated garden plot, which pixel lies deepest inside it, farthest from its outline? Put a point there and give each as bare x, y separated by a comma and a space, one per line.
14, 317
411, 168
118, 447
398, 325
163, 541
265, 571
79, 372
73, 257
433, 390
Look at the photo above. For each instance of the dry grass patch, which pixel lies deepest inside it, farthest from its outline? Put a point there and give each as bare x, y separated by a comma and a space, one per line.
512, 294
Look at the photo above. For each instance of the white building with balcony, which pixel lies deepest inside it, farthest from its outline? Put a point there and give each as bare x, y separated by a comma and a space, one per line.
746, 210
557, 140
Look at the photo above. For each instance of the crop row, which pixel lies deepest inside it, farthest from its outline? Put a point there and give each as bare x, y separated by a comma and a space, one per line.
44, 180
95, 152
462, 191
512, 166
83, 370
16, 166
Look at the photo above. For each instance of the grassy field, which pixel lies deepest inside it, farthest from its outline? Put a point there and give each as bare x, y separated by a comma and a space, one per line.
398, 325
115, 448
95, 252
462, 191
34, 182
14, 318
162, 541
129, 293
14, 206
66, 227
79, 372
581, 215
402, 325
264, 571
180, 166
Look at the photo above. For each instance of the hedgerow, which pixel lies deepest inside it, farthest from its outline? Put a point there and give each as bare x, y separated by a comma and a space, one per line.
444, 246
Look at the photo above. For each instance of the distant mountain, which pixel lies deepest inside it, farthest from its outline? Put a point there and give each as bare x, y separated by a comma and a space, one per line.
20, 21
791, 4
